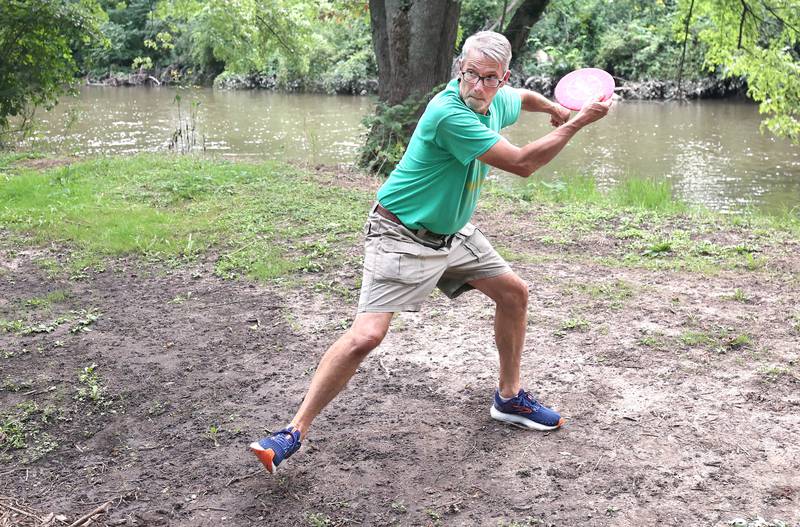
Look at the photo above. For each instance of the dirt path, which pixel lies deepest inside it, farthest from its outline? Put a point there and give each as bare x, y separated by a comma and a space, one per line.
675, 418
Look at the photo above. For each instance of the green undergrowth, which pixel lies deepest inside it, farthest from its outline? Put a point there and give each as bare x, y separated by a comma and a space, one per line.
270, 219
262, 221
648, 226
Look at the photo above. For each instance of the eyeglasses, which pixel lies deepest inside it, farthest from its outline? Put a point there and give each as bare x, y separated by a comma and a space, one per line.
473, 78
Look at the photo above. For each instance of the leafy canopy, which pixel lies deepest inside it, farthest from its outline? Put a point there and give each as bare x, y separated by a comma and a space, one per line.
758, 40
37, 63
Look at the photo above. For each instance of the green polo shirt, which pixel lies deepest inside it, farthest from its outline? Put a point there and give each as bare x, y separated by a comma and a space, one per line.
437, 183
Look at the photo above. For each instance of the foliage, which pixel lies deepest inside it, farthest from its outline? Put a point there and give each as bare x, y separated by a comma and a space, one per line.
390, 129
759, 41
135, 38
295, 41
478, 15
37, 63
631, 39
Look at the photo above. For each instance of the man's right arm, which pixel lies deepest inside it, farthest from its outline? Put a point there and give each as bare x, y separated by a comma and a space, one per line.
533, 156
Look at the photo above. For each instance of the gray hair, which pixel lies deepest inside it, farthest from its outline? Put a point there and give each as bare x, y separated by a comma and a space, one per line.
492, 45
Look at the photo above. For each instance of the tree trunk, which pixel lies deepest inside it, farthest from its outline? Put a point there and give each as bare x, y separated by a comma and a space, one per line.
519, 27
414, 47
413, 42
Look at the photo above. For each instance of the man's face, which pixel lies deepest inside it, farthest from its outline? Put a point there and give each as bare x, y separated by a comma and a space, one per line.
478, 96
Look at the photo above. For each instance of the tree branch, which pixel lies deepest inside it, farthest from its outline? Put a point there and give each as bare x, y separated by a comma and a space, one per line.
269, 28
780, 19
741, 25
683, 53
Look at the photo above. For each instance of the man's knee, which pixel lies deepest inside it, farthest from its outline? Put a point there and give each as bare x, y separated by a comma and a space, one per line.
516, 294
367, 337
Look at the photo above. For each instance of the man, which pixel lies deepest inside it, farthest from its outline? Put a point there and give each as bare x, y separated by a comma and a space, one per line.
418, 235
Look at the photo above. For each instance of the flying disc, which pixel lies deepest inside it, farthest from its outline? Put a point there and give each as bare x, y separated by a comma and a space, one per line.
579, 86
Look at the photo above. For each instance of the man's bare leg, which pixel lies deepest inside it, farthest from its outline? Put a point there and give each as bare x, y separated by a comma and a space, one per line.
510, 294
339, 364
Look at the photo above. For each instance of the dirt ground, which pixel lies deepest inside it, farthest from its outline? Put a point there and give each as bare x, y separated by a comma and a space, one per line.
671, 421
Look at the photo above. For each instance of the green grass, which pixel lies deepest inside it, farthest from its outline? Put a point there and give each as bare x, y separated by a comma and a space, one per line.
654, 230
21, 429
270, 220
263, 220
46, 301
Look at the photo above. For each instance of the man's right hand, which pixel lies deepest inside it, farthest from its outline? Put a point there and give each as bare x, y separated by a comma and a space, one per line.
593, 110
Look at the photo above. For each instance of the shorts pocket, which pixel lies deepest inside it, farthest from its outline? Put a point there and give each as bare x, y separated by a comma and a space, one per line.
399, 261
478, 245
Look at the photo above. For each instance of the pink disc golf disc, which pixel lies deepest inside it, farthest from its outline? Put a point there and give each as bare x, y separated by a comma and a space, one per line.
579, 86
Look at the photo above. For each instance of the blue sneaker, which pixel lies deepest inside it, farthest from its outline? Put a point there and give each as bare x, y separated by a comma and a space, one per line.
526, 412
278, 447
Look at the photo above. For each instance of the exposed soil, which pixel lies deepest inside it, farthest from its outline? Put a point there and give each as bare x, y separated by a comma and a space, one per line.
661, 430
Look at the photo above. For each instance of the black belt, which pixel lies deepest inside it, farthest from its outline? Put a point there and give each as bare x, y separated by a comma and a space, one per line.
389, 215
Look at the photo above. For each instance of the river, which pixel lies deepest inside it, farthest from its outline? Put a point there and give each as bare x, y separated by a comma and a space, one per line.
711, 151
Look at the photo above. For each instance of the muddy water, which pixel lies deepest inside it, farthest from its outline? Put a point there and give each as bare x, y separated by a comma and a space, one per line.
711, 151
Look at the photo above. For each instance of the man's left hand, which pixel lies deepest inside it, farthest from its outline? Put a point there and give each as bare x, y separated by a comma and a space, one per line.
559, 115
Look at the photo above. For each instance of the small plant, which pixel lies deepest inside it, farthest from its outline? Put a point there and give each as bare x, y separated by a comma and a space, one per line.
398, 507
773, 373
87, 318
696, 338
434, 516
740, 341
574, 324
20, 430
739, 296
754, 263
156, 409
91, 390
317, 519
657, 249
212, 433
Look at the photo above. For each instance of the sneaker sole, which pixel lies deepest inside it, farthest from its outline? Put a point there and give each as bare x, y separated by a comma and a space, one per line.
522, 422
265, 456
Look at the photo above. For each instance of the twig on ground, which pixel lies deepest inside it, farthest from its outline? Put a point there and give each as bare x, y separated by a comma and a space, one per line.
20, 511
241, 302
242, 478
388, 373
87, 517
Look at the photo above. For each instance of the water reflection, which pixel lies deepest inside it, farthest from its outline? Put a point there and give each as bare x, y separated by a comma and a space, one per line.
711, 151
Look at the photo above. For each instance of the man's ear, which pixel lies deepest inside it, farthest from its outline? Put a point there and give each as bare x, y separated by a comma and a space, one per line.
506, 76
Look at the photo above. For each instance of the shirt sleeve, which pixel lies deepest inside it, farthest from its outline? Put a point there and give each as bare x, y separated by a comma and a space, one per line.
464, 136
511, 104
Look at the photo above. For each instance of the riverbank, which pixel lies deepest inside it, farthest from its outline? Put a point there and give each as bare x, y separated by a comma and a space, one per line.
159, 312
652, 89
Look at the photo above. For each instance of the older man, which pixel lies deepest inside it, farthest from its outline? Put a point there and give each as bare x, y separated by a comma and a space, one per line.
418, 234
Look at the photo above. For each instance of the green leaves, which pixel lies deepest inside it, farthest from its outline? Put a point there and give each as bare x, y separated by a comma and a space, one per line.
37, 64
756, 40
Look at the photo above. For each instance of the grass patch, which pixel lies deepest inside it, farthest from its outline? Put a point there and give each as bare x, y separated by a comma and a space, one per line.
655, 230
46, 301
21, 429
720, 341
615, 293
264, 220
774, 373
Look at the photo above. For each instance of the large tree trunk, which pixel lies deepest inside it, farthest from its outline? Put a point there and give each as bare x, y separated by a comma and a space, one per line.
414, 45
519, 27
413, 42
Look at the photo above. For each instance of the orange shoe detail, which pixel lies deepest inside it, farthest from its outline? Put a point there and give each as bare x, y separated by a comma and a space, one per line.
266, 457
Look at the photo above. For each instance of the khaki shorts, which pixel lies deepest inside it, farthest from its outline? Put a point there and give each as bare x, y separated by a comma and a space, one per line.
401, 268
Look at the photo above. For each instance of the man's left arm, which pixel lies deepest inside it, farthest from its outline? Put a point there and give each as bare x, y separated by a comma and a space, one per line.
536, 102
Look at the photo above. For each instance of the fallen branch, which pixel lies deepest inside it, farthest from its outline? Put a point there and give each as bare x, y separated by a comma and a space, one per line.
99, 510
20, 511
